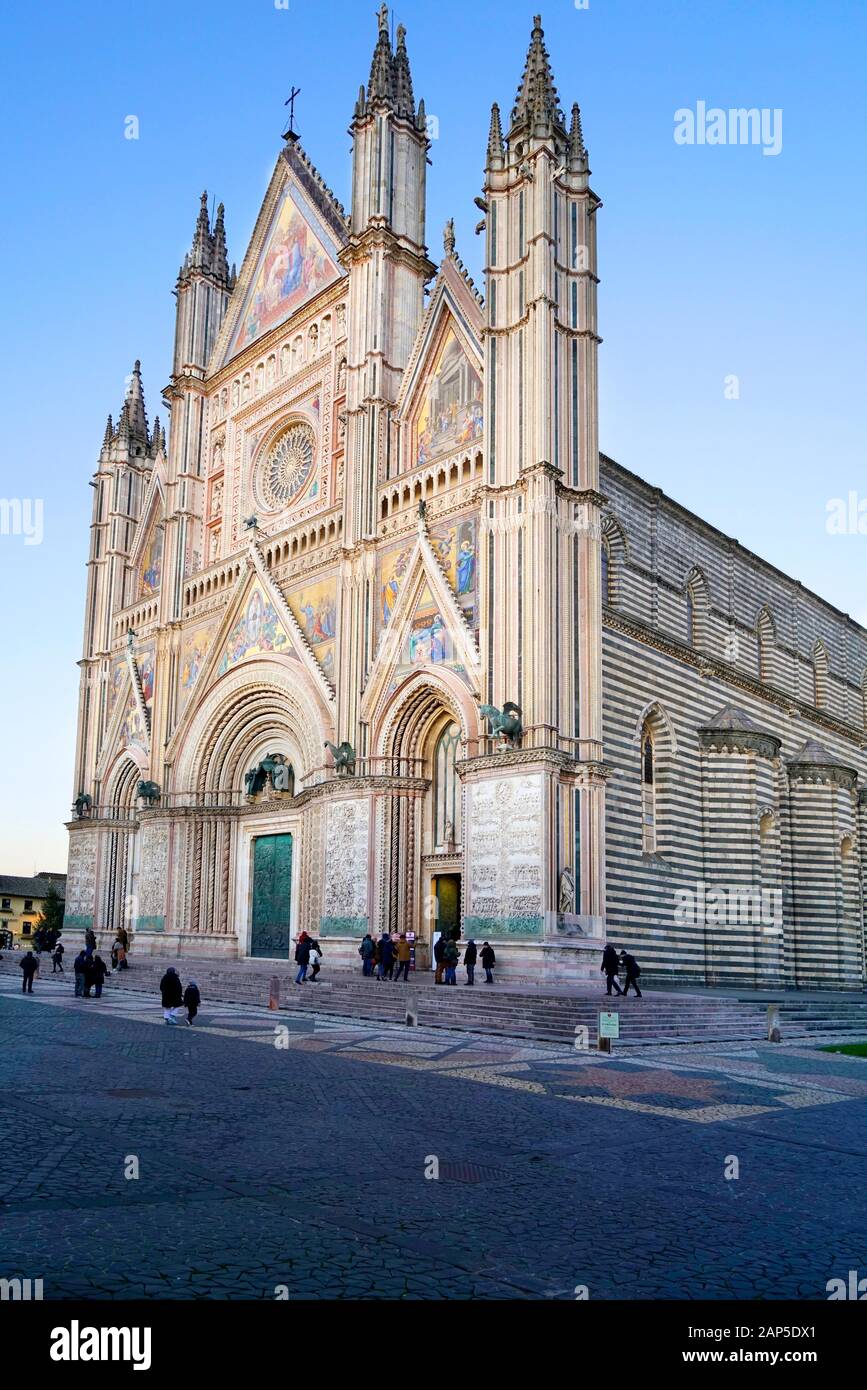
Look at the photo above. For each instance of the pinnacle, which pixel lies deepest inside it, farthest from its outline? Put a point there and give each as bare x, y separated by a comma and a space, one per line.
537, 102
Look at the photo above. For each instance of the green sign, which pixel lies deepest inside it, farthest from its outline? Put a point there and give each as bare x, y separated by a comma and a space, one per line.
609, 1025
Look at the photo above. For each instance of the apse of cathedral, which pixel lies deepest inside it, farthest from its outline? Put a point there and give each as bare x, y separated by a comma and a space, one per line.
377, 640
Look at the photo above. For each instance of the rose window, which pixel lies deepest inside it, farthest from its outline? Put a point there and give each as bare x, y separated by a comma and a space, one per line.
286, 470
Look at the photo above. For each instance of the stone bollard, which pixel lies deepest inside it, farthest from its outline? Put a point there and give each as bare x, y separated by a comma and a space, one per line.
274, 992
774, 1034
411, 1018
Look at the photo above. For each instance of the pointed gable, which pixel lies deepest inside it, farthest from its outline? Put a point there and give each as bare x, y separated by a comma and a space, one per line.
440, 401
258, 630
292, 256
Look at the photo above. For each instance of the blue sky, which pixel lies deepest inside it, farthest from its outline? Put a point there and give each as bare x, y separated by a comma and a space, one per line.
716, 261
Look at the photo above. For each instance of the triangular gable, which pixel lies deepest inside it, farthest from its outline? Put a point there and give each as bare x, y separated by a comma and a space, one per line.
426, 630
128, 726
146, 555
440, 404
256, 622
292, 256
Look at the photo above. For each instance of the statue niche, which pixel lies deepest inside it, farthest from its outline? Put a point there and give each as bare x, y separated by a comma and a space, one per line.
274, 773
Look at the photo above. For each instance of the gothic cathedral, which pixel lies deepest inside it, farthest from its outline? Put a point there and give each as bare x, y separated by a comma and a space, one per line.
377, 640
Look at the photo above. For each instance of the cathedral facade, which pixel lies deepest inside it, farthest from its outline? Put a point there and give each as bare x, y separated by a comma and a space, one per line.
376, 639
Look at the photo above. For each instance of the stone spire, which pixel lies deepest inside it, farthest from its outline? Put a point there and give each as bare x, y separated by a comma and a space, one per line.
133, 418
382, 68
496, 148
202, 251
537, 108
404, 103
109, 433
577, 148
219, 262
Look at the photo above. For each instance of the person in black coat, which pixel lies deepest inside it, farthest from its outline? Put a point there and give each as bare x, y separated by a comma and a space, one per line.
439, 957
29, 966
99, 970
632, 969
302, 957
489, 960
610, 967
80, 968
470, 957
386, 957
192, 1000
171, 994
58, 958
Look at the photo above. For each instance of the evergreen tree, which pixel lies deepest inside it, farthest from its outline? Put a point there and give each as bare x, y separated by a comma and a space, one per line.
51, 916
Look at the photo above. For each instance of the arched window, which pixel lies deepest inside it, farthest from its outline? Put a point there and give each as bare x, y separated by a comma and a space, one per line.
613, 561
766, 640
820, 676
697, 607
648, 795
447, 790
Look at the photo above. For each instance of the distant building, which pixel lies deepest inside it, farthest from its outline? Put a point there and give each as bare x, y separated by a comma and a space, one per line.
21, 901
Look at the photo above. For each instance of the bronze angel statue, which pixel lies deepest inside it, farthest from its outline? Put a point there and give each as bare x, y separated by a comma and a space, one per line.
505, 723
343, 755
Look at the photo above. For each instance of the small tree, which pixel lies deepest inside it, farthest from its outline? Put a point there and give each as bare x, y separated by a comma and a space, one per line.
50, 921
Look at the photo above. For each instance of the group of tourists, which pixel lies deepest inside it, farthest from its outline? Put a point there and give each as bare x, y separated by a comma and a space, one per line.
89, 969
615, 963
175, 998
388, 959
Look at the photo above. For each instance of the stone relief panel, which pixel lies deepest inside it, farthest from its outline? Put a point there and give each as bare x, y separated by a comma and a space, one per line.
81, 880
504, 896
153, 876
347, 836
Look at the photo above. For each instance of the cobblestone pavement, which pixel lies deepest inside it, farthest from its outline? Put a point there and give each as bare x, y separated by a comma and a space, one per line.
287, 1156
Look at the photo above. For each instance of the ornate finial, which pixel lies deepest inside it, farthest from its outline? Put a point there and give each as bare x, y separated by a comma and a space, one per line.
422, 514
383, 18
130, 638
449, 237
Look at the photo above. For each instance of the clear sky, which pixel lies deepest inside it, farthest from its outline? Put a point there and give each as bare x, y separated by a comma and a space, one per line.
716, 261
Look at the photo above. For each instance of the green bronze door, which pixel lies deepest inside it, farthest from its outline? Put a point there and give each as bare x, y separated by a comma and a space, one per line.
272, 895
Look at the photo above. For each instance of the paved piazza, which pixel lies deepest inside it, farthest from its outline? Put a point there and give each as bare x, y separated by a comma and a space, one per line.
299, 1169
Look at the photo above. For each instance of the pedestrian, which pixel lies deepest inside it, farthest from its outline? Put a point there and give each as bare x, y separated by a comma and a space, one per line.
470, 956
123, 938
171, 994
610, 967
404, 956
451, 956
367, 950
633, 970
89, 973
439, 954
99, 970
80, 969
57, 958
118, 953
386, 956
302, 957
192, 1000
90, 939
29, 966
376, 959
489, 960
315, 956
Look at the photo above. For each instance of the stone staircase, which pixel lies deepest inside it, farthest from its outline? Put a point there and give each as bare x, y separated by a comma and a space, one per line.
516, 1011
